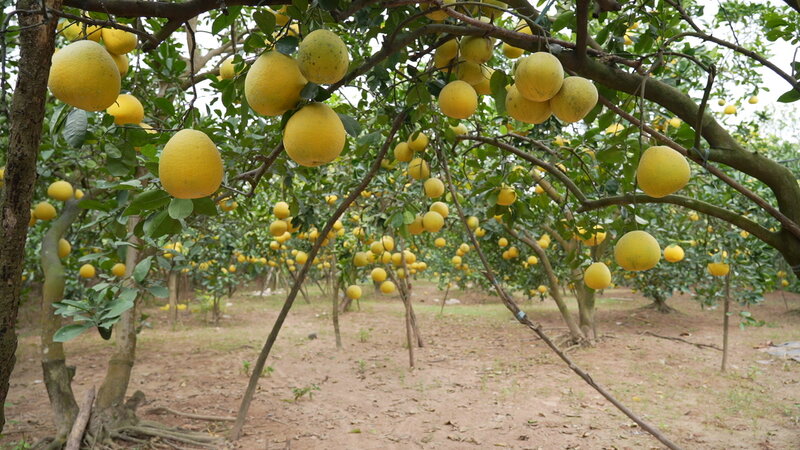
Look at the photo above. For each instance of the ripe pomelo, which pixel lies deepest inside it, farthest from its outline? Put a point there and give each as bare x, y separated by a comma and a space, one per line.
84, 75
539, 76
323, 57
458, 100
190, 165
662, 171
574, 100
273, 84
636, 251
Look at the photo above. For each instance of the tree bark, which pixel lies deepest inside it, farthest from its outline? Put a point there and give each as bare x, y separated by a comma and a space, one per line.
57, 376
36, 45
111, 395
172, 284
335, 314
585, 297
725, 319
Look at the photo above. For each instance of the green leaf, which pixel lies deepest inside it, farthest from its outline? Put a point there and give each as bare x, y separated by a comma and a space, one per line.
204, 206
142, 269
161, 224
351, 125
75, 127
287, 45
70, 331
309, 91
789, 96
302, 5
94, 204
120, 304
180, 208
498, 84
159, 291
329, 5
147, 201
265, 21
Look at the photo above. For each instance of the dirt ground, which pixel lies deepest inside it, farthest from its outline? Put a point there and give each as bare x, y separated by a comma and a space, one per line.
481, 380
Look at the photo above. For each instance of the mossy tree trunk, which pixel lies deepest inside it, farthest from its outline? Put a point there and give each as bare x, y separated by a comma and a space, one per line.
57, 376
36, 46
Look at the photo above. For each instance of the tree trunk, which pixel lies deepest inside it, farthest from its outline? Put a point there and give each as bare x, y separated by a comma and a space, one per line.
57, 376
660, 304
36, 45
172, 284
725, 318
110, 405
335, 302
409, 334
585, 297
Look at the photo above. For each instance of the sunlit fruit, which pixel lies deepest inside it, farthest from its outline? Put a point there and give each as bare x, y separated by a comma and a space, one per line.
323, 57
596, 237
730, 109
44, 211
574, 100
273, 84
378, 275
87, 271
314, 135
539, 76
190, 165
227, 70
673, 253
278, 227
84, 75
432, 221
718, 269
60, 190
476, 49
637, 250
64, 248
458, 100
434, 188
418, 169
118, 270
524, 110
126, 110
387, 287
403, 153
662, 171
118, 41
597, 276
418, 143
441, 208
502, 242
353, 292
440, 242
281, 210
506, 196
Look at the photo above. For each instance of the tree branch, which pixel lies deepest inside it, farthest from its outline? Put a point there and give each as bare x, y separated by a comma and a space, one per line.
163, 9
582, 17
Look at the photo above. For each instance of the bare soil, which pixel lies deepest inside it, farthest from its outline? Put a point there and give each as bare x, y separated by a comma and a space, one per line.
481, 380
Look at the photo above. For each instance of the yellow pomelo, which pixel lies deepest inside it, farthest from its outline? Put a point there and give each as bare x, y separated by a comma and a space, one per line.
432, 221
227, 70
314, 135
301, 257
278, 228
524, 110
574, 100
360, 259
440, 242
539, 76
445, 54
64, 248
718, 269
456, 260
418, 169
458, 100
60, 190
662, 171
387, 287
636, 251
190, 165
460, 129
402, 152
376, 247
122, 63
273, 84
281, 210
473, 222
506, 196
476, 49
469, 71
126, 110
119, 42
44, 211
378, 274
87, 271
512, 52
730, 109
323, 57
597, 276
441, 208
76, 31
416, 227
484, 86
281, 19
532, 260
542, 289
84, 75
388, 243
419, 144
354, 292
673, 253
502, 242
596, 237
490, 12
438, 15
118, 270
434, 188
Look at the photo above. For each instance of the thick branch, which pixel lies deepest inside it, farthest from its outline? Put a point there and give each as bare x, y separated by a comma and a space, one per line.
769, 238
163, 9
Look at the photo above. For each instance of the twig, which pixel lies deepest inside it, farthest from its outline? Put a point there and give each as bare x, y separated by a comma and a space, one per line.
165, 410
696, 344
79, 427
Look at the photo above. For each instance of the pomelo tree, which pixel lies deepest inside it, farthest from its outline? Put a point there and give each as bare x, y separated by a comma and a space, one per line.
559, 120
